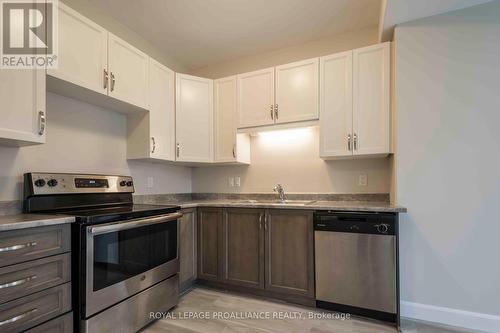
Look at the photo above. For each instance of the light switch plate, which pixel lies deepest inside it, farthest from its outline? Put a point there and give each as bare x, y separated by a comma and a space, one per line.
237, 181
231, 181
363, 180
151, 183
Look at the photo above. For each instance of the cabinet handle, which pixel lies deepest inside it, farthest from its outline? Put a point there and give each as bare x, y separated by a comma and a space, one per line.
276, 116
260, 221
154, 145
18, 282
265, 222
105, 78
18, 317
17, 247
234, 151
41, 122
272, 112
178, 149
112, 81
355, 141
349, 142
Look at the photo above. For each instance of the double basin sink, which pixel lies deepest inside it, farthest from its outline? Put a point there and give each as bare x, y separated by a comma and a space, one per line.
279, 202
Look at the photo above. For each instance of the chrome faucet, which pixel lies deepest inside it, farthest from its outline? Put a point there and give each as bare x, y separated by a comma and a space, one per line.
281, 192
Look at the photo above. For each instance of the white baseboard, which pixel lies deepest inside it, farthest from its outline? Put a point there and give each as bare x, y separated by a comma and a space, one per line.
452, 317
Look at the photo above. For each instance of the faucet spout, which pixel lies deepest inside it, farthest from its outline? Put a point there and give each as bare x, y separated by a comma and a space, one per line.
281, 192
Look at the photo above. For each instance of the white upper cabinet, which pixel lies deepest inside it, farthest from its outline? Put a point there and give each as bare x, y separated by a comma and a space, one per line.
22, 114
256, 98
371, 96
354, 103
194, 119
82, 53
128, 72
229, 146
297, 91
336, 105
152, 134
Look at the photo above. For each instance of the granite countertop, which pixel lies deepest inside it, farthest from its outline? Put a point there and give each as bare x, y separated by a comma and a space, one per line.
23, 221
365, 206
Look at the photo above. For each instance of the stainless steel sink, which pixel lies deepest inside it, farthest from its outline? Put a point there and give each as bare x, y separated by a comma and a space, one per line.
279, 202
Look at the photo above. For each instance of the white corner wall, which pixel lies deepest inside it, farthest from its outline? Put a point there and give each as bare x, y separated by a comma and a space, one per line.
447, 165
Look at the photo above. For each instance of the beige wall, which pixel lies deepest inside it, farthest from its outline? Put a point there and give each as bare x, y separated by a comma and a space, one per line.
448, 162
88, 10
294, 163
312, 49
292, 159
85, 138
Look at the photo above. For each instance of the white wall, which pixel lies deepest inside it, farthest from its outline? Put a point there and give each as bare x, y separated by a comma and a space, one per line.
448, 162
291, 158
85, 138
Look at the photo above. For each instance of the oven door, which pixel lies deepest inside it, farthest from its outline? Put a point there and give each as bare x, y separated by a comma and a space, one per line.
123, 258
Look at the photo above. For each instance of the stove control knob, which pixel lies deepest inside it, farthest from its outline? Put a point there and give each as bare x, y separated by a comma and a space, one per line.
123, 183
52, 183
129, 183
39, 183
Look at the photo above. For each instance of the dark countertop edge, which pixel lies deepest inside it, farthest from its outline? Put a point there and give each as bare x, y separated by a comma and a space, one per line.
25, 221
349, 206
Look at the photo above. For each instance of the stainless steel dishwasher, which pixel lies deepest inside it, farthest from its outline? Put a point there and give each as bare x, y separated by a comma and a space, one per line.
356, 264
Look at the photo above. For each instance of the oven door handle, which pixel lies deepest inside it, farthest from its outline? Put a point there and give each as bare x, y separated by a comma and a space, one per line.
112, 227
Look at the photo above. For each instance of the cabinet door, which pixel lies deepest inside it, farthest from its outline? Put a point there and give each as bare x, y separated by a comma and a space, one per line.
336, 105
128, 72
187, 248
161, 111
371, 76
297, 91
209, 243
256, 98
82, 54
243, 247
194, 118
225, 113
22, 115
289, 252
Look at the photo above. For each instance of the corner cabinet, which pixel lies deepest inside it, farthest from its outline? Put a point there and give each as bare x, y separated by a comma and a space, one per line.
23, 112
151, 135
279, 95
194, 119
354, 103
230, 146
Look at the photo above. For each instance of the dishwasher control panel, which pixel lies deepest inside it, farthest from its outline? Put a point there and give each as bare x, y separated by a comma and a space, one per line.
363, 223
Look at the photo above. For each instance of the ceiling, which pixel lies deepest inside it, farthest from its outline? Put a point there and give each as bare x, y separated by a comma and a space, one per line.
198, 33
400, 11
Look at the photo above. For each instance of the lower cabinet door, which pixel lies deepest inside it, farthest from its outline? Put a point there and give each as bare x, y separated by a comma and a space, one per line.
243, 247
209, 243
290, 252
187, 248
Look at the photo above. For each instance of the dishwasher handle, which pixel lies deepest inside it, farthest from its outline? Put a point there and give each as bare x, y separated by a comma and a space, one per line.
383, 224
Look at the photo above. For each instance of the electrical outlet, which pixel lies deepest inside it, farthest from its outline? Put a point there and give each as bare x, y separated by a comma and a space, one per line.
237, 181
363, 180
151, 183
231, 181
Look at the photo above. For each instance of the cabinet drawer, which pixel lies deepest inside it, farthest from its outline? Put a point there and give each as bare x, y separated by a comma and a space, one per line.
29, 311
27, 278
62, 324
22, 245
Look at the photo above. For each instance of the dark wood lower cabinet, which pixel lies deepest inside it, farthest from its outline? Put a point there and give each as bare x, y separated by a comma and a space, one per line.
187, 248
209, 243
265, 252
243, 247
290, 252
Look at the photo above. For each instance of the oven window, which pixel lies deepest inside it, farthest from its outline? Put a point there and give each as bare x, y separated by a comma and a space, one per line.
123, 254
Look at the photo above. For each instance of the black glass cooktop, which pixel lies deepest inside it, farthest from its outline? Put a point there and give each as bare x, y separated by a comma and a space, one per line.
95, 215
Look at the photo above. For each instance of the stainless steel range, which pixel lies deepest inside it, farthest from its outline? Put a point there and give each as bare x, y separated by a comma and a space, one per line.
125, 257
